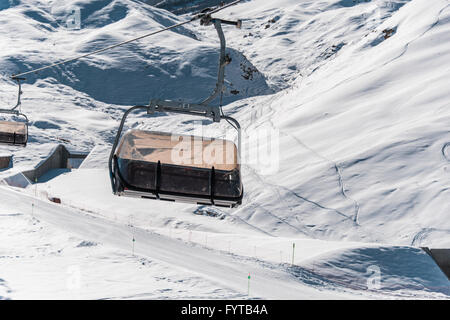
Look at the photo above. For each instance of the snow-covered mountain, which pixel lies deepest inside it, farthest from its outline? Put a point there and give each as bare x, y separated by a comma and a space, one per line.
355, 96
185, 6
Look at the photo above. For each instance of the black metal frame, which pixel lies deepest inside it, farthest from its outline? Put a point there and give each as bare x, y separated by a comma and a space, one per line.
202, 109
16, 112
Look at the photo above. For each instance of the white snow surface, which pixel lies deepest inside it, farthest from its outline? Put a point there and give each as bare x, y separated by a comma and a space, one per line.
362, 167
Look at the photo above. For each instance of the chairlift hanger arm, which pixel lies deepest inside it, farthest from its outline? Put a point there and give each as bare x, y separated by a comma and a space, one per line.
19, 102
224, 59
203, 108
14, 110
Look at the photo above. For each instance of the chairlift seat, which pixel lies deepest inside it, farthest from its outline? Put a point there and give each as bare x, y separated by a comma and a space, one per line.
13, 133
181, 168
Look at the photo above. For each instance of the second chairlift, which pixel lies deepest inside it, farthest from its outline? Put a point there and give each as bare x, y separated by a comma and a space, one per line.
14, 132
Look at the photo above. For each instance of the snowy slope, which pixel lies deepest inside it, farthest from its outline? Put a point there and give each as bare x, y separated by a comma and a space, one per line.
223, 270
130, 74
55, 263
184, 6
367, 135
362, 176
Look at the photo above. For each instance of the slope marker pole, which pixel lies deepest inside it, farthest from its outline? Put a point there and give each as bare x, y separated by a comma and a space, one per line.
293, 252
133, 241
248, 288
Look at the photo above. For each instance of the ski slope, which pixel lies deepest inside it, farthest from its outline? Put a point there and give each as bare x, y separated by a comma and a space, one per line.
223, 270
360, 123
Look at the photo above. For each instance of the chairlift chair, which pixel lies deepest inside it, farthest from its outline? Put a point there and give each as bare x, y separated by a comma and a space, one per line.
142, 164
14, 132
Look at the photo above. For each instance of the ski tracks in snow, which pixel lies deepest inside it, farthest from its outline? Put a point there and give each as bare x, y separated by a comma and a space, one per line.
277, 188
333, 163
336, 166
338, 173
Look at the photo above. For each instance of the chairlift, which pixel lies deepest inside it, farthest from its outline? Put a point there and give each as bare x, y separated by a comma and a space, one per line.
145, 164
14, 132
